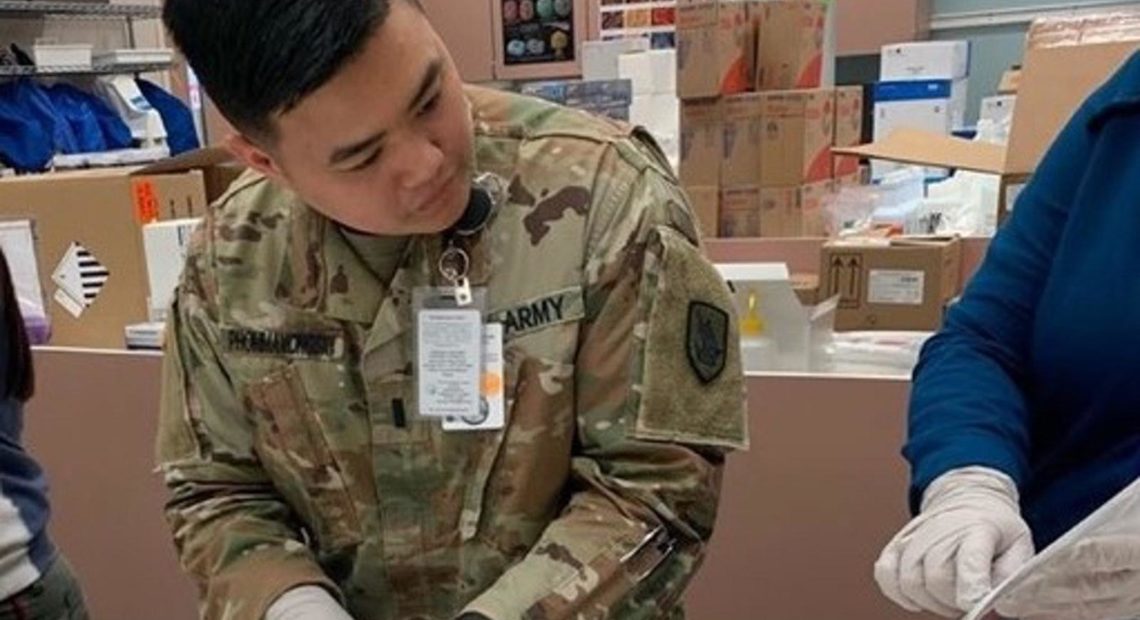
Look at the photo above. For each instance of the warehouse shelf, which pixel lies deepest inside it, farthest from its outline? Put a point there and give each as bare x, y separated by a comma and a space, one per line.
96, 10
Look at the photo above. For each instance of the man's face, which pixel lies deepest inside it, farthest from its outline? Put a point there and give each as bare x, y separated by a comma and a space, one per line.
385, 147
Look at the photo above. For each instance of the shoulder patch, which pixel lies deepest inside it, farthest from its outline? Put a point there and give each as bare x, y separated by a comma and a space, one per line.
707, 340
292, 345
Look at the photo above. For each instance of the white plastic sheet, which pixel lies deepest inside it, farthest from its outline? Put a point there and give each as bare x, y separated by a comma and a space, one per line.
1120, 516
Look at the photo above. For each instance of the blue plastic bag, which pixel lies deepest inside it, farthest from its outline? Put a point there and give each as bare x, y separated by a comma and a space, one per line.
76, 110
97, 127
24, 144
39, 108
181, 135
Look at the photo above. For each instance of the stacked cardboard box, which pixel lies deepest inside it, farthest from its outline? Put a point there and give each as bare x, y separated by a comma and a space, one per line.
756, 127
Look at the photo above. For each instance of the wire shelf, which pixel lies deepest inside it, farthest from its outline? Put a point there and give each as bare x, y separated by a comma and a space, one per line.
96, 10
65, 71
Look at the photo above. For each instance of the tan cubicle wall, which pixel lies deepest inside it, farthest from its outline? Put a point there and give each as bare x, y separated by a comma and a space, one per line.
803, 516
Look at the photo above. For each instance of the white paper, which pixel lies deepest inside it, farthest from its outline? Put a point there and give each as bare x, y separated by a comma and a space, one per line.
18, 240
450, 362
492, 412
1120, 515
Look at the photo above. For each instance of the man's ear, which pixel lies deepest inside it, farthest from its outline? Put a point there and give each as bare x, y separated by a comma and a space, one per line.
253, 156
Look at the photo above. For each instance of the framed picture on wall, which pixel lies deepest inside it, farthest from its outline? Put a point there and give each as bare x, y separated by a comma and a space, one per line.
651, 19
537, 39
537, 31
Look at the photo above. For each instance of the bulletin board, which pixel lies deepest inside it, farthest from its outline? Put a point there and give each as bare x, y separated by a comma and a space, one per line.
652, 19
538, 39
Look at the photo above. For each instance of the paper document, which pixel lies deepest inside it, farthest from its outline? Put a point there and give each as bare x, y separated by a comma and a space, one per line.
1119, 516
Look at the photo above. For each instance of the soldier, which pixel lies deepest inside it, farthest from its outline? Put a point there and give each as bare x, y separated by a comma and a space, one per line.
335, 432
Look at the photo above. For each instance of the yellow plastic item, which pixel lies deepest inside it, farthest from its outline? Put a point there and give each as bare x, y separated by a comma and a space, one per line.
752, 325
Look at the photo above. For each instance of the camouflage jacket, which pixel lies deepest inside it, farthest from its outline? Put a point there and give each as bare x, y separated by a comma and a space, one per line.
289, 439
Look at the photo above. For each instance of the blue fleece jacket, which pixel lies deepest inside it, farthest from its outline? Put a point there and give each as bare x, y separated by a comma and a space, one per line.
1037, 370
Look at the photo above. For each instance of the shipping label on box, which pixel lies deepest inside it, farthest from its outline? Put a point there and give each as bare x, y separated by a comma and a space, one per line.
740, 212
891, 285
743, 140
705, 202
798, 134
790, 45
702, 138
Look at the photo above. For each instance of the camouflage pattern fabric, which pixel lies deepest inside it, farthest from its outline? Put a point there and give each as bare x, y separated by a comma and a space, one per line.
289, 439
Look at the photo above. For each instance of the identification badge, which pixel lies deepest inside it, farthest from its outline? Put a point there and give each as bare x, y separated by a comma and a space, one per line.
492, 409
450, 362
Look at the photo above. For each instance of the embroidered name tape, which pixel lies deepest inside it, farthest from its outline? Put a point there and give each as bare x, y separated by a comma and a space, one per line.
560, 307
295, 345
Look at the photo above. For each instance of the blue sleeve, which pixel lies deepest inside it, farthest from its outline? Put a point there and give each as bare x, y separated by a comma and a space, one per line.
968, 406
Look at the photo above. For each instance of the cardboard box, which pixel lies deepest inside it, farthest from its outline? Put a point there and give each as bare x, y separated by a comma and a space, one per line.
742, 162
790, 46
652, 72
702, 142
741, 214
705, 202
794, 211
716, 45
798, 134
925, 60
806, 287
848, 128
1010, 81
898, 284
600, 59
89, 245
1055, 81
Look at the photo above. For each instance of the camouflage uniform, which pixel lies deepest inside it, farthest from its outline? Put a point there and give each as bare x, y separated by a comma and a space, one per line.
289, 438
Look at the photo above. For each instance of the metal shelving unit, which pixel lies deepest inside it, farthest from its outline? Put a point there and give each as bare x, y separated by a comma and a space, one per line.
95, 10
62, 71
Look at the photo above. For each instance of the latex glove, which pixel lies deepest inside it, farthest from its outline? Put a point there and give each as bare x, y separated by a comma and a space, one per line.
968, 537
1098, 579
306, 603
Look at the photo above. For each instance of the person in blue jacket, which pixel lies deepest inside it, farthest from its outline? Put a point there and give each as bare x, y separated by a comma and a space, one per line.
1025, 410
36, 582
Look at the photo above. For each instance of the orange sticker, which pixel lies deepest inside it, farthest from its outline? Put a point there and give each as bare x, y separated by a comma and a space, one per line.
146, 202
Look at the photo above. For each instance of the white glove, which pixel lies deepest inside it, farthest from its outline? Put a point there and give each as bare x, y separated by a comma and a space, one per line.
967, 539
306, 603
1098, 579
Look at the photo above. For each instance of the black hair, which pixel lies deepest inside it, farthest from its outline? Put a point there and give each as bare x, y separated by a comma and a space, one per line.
18, 381
259, 58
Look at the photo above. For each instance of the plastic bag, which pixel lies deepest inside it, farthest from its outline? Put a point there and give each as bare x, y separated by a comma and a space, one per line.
1119, 517
39, 109
24, 145
74, 108
181, 134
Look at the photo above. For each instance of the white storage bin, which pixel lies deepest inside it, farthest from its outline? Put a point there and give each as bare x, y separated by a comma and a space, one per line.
134, 56
48, 54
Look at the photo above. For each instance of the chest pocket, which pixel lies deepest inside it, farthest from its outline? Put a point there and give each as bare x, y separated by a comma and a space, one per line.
292, 445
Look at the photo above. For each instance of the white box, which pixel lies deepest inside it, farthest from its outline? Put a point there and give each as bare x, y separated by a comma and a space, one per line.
600, 58
135, 56
653, 72
998, 109
660, 114
937, 106
927, 60
48, 55
165, 244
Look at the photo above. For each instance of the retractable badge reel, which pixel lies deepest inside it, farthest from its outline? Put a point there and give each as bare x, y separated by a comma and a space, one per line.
459, 358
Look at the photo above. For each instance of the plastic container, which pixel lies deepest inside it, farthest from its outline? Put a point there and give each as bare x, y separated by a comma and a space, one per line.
48, 54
